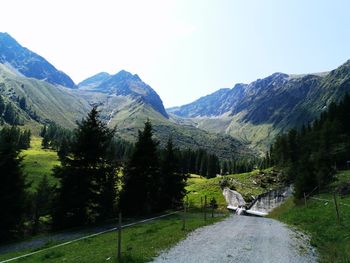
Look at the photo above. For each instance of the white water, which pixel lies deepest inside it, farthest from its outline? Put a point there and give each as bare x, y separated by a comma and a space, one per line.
234, 199
261, 206
265, 203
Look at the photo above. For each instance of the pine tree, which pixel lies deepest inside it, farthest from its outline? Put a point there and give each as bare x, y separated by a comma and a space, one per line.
12, 187
45, 142
64, 149
173, 182
42, 201
10, 115
224, 170
43, 131
2, 106
141, 180
23, 103
88, 178
204, 165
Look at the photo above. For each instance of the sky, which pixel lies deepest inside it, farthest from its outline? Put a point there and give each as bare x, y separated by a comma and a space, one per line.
183, 49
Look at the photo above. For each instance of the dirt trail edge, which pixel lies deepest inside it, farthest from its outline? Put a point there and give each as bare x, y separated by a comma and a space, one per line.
242, 239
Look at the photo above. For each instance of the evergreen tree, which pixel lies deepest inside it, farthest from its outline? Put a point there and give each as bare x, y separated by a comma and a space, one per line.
173, 182
10, 115
12, 187
45, 142
23, 103
64, 149
88, 178
2, 106
43, 131
141, 180
42, 202
204, 165
212, 165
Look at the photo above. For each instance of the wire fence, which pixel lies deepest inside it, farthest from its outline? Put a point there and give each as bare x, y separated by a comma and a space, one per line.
337, 204
206, 209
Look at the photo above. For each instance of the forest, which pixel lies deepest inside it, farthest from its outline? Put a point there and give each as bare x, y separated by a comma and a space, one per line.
311, 155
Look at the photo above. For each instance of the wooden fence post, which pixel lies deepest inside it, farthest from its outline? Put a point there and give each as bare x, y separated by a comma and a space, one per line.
202, 204
205, 208
120, 237
305, 200
184, 216
336, 207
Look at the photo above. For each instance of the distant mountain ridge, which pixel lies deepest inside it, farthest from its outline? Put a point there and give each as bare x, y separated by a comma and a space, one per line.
123, 99
30, 64
256, 112
224, 122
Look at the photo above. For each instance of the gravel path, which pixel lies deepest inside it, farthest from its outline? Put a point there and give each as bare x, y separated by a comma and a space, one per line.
242, 239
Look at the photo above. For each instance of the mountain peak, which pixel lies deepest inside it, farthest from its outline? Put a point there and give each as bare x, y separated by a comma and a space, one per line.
125, 83
125, 75
29, 63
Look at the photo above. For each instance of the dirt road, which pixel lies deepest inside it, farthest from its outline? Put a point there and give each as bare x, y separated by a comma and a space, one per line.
242, 239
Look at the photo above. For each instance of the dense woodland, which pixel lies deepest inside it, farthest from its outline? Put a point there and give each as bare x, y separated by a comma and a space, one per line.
311, 155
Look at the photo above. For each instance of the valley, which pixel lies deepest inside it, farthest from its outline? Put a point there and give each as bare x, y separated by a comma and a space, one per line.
76, 156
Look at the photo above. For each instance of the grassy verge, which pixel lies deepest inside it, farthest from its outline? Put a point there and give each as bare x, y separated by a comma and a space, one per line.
140, 243
38, 162
331, 239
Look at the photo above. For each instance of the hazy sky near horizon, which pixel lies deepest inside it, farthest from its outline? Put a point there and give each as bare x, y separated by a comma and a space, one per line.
184, 49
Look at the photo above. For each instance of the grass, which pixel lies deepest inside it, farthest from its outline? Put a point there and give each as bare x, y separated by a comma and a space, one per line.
38, 162
140, 243
199, 187
318, 219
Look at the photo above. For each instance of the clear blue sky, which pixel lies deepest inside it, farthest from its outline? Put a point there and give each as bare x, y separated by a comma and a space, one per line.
187, 48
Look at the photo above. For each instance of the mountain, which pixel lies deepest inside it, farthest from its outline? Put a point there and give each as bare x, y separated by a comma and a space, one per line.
124, 84
127, 102
94, 81
257, 112
44, 102
35, 93
27, 63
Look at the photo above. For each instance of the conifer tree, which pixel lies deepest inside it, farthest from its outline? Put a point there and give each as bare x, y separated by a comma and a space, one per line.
12, 187
88, 178
141, 180
172, 181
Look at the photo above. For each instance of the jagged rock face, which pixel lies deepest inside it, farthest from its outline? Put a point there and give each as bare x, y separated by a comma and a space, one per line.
29, 63
125, 84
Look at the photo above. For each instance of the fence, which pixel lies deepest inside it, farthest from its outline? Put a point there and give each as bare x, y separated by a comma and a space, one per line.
184, 211
337, 204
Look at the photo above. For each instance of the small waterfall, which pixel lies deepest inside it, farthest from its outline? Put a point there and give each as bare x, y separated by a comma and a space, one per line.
234, 199
266, 202
261, 205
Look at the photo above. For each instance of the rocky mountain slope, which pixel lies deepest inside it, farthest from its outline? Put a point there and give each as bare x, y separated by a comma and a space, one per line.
29, 64
124, 84
256, 112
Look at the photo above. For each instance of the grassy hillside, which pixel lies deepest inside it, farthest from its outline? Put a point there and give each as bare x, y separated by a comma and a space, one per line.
129, 116
49, 102
38, 162
318, 218
248, 184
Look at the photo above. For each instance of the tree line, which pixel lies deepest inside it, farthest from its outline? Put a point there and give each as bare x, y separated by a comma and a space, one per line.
310, 156
100, 174
93, 184
9, 111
